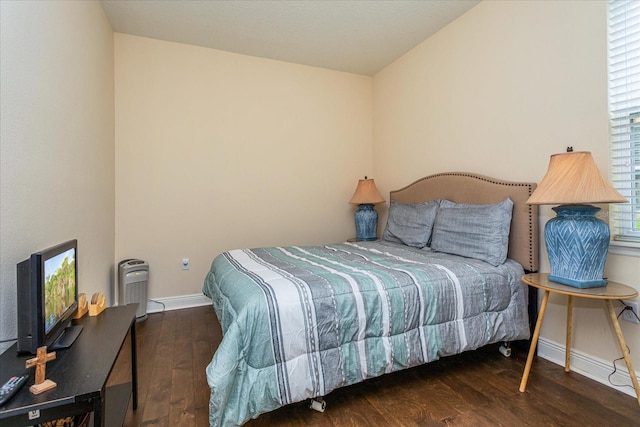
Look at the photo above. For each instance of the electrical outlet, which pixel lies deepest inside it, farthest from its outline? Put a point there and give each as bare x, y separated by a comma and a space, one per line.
185, 263
628, 315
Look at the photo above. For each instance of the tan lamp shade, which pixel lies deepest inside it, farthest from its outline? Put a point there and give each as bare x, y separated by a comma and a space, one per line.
366, 193
574, 178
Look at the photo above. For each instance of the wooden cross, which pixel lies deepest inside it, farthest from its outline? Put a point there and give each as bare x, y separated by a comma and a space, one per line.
40, 362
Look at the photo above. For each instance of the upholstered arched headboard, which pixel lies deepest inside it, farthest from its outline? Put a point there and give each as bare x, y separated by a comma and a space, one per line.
463, 187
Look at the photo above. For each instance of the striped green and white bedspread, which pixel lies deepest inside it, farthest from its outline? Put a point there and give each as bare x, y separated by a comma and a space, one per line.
299, 322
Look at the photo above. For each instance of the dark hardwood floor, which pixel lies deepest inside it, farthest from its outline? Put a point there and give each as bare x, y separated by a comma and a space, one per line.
478, 388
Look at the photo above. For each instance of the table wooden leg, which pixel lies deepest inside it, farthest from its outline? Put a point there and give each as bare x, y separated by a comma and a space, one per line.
567, 354
134, 366
623, 347
534, 342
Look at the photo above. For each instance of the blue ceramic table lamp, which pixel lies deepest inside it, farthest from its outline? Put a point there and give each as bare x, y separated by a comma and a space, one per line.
577, 242
366, 195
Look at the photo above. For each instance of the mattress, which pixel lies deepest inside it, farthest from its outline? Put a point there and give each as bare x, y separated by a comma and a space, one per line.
301, 321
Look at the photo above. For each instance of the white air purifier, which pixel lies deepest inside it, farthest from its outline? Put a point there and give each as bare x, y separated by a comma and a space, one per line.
133, 279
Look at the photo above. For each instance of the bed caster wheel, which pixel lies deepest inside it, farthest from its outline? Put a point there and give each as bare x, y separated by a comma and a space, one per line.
505, 350
318, 404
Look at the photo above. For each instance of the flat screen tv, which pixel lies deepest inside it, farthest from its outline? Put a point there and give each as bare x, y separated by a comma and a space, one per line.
47, 294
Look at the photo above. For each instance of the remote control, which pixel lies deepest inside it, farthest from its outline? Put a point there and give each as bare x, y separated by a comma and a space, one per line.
11, 387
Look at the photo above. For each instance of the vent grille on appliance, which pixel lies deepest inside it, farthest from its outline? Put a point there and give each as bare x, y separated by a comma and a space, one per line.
133, 279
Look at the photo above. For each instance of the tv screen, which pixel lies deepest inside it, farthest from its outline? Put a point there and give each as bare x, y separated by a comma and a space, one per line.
47, 292
59, 287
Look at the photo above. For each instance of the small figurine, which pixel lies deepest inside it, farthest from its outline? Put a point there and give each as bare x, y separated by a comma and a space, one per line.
83, 306
98, 304
40, 362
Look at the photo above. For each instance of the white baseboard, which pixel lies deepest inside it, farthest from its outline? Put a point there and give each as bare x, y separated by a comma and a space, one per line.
589, 366
157, 305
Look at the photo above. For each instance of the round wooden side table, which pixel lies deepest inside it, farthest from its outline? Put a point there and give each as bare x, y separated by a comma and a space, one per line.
613, 291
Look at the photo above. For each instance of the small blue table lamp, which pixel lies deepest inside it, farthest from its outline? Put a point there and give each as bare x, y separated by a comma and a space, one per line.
577, 242
366, 195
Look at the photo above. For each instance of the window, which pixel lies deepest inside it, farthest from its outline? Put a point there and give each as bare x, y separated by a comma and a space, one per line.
624, 113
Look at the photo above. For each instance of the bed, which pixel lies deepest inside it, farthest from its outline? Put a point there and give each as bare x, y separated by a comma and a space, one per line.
301, 321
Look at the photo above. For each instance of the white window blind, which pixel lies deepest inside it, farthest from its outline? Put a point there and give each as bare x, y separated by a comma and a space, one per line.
624, 112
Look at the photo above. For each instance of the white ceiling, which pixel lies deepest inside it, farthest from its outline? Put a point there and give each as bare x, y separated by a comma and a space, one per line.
359, 37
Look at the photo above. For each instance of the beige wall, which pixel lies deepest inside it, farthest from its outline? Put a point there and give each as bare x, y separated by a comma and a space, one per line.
216, 151
57, 141
497, 92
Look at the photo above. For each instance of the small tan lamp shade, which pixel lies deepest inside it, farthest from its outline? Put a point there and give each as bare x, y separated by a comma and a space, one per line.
366, 193
574, 178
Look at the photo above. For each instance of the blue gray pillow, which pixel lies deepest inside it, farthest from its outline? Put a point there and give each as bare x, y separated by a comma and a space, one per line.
410, 223
473, 231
